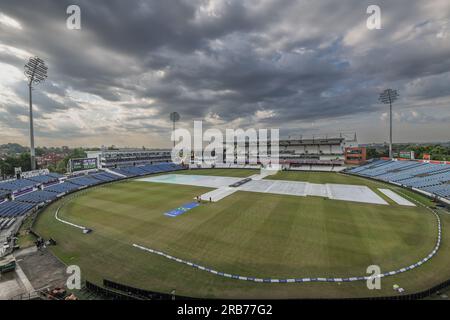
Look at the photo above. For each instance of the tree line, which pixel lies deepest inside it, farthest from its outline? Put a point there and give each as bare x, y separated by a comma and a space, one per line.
23, 160
438, 152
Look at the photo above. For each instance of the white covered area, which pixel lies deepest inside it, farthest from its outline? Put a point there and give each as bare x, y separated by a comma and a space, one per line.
194, 180
316, 189
264, 173
356, 193
218, 194
332, 191
293, 188
397, 198
353, 193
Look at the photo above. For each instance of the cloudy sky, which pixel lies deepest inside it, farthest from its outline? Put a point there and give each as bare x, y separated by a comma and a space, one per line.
304, 66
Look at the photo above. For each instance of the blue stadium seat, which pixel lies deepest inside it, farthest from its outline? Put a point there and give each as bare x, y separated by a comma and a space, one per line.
15, 185
61, 188
44, 179
105, 177
85, 180
36, 197
429, 177
11, 209
30, 199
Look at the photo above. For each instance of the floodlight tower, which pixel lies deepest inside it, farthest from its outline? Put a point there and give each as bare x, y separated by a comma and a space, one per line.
174, 117
388, 96
36, 72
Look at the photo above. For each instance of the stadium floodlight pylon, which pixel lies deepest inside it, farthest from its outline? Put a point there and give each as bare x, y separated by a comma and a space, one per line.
174, 117
388, 96
36, 72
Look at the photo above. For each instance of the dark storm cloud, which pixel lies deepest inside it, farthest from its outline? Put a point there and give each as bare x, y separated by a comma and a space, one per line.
297, 61
44, 104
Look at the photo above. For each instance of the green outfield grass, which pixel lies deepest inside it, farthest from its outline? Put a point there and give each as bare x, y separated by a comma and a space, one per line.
247, 233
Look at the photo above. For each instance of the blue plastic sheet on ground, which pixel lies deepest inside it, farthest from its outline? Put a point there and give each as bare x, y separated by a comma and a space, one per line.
180, 210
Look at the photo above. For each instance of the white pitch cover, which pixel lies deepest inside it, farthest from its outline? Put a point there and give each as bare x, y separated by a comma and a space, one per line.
396, 198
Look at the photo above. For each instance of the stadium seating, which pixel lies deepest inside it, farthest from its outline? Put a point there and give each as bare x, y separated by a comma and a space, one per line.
105, 176
62, 187
83, 181
45, 178
147, 169
37, 197
442, 190
15, 185
135, 171
122, 172
428, 180
27, 197
429, 177
392, 166
55, 175
11, 209
371, 165
422, 168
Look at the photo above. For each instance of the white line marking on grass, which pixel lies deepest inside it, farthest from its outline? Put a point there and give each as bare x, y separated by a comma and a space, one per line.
67, 222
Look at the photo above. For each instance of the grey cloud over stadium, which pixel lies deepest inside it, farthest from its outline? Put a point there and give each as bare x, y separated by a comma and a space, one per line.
306, 67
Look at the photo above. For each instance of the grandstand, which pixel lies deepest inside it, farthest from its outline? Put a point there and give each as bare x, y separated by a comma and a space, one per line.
36, 197
46, 179
17, 197
311, 153
62, 188
10, 209
318, 153
432, 178
18, 185
84, 181
104, 176
129, 157
131, 171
